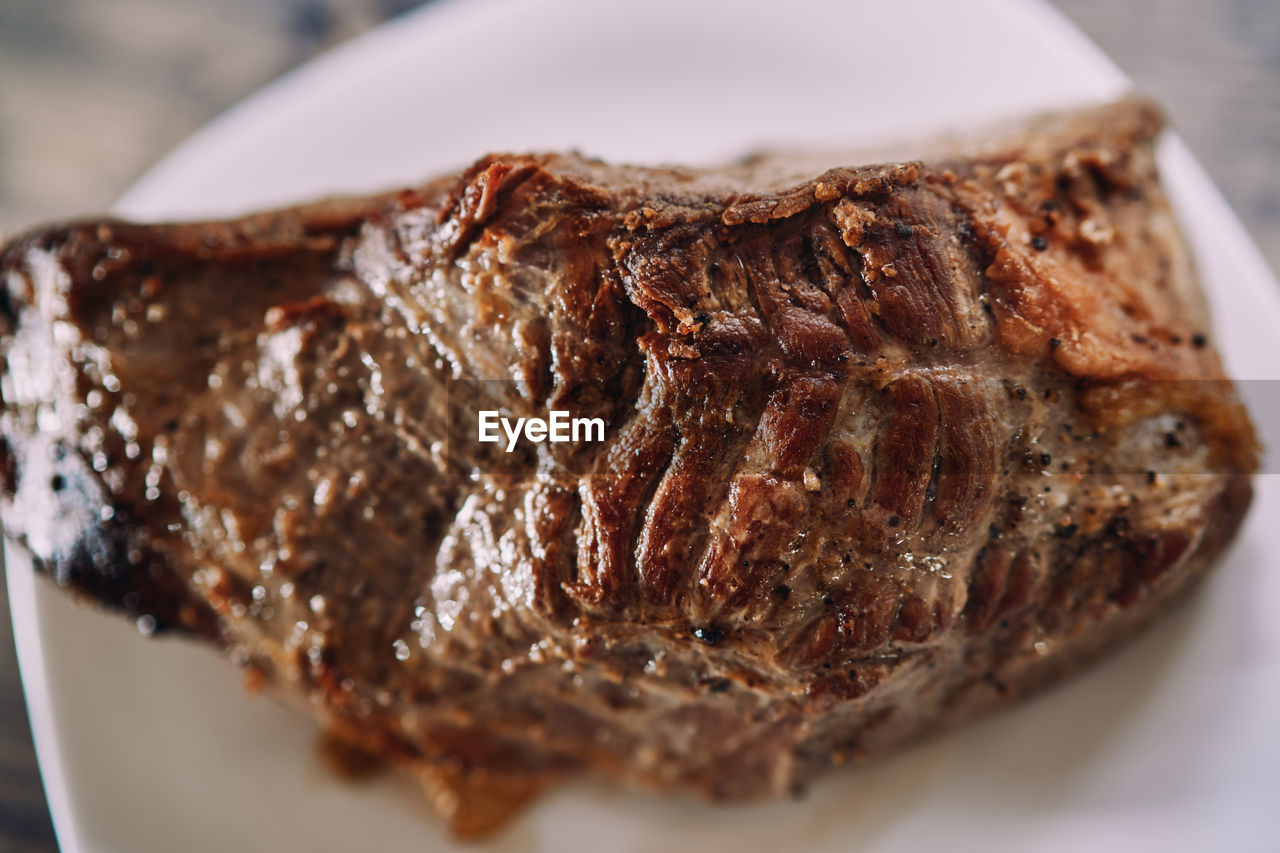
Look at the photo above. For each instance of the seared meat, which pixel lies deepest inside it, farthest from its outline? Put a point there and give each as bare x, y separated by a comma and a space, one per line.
883, 448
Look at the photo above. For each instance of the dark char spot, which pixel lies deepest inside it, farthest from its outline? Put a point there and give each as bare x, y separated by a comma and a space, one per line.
709, 635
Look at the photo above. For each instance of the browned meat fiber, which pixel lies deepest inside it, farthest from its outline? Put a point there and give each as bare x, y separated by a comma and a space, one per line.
883, 448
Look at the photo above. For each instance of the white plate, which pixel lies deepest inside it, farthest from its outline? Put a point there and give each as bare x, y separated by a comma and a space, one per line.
1170, 745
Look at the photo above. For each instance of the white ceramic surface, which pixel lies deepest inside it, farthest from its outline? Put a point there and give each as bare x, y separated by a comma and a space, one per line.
1170, 745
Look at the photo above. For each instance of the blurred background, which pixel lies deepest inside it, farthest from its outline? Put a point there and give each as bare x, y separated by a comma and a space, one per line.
93, 92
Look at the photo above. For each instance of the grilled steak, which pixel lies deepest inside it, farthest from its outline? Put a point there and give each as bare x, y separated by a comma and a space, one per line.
883, 448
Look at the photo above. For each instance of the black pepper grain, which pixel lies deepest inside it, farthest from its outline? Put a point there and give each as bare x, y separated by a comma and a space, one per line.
709, 635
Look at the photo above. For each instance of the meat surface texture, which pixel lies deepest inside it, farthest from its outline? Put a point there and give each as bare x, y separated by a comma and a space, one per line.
885, 447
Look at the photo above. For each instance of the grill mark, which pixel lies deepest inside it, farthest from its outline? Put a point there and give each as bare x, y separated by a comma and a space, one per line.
749, 414
622, 483
608, 334
660, 275
841, 277
900, 472
980, 255
476, 197
674, 515
804, 335
792, 429
807, 258
716, 525
793, 434
845, 467
965, 465
925, 258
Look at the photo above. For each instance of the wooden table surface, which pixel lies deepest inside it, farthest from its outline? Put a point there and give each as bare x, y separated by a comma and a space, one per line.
94, 91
